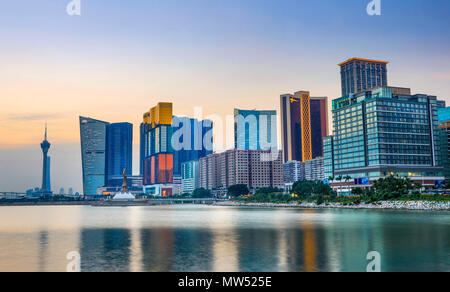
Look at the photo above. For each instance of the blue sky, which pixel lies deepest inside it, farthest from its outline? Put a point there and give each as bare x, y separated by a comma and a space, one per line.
119, 58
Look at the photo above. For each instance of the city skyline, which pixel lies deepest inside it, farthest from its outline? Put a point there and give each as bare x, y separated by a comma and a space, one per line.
58, 84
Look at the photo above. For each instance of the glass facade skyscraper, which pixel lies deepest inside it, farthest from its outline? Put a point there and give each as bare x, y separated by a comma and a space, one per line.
93, 154
385, 131
319, 124
255, 130
304, 123
358, 75
119, 150
156, 148
328, 157
192, 139
190, 174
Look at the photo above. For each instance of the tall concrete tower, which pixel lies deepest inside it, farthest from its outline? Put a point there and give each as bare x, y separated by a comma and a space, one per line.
45, 146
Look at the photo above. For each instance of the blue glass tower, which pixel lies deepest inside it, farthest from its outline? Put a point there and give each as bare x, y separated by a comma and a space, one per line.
93, 154
255, 130
192, 140
119, 150
45, 146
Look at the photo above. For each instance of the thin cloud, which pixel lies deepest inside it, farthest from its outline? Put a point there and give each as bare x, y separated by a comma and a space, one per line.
32, 117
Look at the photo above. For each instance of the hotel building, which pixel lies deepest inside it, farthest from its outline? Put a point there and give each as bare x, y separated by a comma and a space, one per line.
385, 131
358, 75
304, 124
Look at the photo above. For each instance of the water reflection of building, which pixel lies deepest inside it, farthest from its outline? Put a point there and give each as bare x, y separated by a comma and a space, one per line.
105, 250
157, 250
223, 226
304, 246
255, 249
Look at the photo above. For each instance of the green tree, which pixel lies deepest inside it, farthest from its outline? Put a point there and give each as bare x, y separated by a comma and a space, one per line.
269, 190
307, 189
238, 190
358, 191
202, 193
392, 187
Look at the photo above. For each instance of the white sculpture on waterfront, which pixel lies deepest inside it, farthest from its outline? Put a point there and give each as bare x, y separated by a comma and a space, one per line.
124, 194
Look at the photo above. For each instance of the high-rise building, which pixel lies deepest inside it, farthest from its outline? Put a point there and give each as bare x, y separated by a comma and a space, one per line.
311, 170
210, 174
358, 75
314, 169
190, 173
444, 133
158, 152
294, 171
46, 188
93, 154
255, 130
304, 123
328, 156
142, 145
119, 150
385, 131
319, 124
254, 168
192, 139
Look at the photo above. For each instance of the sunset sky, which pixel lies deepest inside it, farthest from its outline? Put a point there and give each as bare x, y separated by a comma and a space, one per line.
119, 58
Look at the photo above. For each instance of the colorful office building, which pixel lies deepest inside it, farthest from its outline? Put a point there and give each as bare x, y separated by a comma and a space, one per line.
157, 159
382, 132
304, 124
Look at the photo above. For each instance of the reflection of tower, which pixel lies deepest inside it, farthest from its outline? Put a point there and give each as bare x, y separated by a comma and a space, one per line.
309, 245
45, 146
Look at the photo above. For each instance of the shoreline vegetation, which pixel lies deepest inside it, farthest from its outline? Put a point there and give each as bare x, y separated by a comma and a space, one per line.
394, 193
417, 205
384, 205
387, 193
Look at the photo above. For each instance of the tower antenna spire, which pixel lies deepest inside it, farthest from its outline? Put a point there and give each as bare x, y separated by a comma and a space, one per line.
45, 131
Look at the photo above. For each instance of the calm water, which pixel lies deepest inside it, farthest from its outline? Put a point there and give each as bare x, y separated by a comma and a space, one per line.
206, 238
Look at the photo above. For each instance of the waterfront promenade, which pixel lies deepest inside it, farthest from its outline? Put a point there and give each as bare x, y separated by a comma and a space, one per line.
388, 205
112, 203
